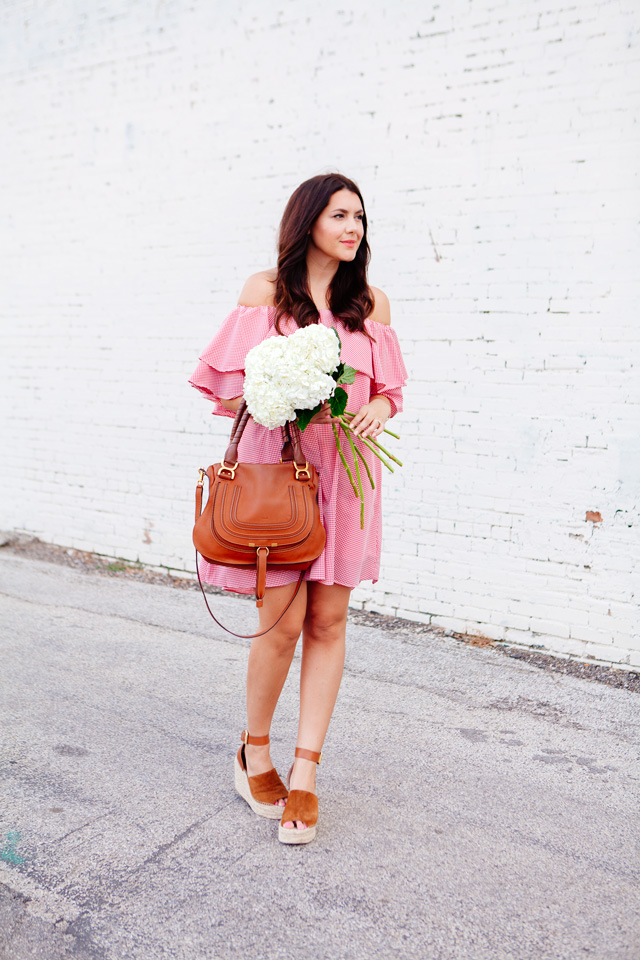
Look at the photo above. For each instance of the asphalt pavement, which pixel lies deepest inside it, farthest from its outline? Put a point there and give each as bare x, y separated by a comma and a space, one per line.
472, 807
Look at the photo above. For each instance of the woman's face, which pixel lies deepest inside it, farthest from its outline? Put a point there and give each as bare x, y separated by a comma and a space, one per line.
339, 229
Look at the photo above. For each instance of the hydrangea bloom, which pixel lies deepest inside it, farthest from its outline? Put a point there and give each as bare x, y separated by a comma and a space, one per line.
285, 374
315, 347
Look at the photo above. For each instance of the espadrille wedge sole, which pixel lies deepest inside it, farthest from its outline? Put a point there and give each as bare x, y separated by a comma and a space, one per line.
293, 835
263, 790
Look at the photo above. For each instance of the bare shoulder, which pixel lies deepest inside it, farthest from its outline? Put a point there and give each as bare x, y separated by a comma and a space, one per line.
259, 290
381, 312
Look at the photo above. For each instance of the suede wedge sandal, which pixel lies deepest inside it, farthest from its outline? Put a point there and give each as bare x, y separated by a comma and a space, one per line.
302, 805
262, 790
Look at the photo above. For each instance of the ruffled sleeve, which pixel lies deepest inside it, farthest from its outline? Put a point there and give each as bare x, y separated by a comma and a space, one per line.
389, 371
220, 370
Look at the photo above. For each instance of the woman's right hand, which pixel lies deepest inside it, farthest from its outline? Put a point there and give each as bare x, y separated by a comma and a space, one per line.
323, 416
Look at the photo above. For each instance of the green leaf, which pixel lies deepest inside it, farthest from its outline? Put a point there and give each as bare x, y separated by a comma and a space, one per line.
339, 340
348, 374
338, 402
306, 416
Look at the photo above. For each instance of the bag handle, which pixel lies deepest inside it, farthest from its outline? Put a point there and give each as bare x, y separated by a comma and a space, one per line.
291, 448
291, 433
239, 423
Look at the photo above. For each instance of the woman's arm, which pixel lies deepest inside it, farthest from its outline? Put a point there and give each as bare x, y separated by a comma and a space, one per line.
231, 405
370, 419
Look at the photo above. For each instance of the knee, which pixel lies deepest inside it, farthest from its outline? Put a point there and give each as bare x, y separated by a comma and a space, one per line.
325, 627
283, 640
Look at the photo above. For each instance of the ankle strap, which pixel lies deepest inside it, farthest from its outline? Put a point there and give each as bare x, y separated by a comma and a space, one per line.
246, 737
308, 755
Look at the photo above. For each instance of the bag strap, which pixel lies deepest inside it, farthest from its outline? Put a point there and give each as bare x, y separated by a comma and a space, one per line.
248, 636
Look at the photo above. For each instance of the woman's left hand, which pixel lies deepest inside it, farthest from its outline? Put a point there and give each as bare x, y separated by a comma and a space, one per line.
370, 419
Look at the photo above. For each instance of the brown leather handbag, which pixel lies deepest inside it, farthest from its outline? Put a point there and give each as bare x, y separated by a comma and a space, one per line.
259, 515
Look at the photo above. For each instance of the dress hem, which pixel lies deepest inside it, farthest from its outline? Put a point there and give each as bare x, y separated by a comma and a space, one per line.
325, 583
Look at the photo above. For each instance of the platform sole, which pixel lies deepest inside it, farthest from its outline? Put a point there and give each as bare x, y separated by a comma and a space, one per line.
293, 835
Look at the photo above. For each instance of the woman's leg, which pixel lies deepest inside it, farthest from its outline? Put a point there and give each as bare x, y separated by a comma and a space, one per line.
323, 646
269, 661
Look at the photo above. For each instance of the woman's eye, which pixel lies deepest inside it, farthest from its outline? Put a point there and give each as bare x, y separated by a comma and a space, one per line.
337, 216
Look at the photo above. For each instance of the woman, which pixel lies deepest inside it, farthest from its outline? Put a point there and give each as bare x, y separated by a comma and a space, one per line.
321, 277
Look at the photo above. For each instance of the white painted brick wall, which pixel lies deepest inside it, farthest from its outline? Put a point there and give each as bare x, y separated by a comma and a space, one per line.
148, 150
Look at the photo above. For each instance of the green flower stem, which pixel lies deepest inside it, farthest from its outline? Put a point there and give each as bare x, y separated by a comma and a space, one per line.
357, 466
347, 413
362, 457
342, 457
376, 449
377, 444
386, 452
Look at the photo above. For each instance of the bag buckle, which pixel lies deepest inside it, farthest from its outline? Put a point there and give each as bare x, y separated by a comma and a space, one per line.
224, 470
202, 473
302, 470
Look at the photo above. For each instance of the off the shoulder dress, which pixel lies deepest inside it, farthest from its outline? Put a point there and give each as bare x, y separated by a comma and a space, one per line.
351, 554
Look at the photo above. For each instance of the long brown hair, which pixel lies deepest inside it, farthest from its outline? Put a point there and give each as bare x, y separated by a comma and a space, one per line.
350, 298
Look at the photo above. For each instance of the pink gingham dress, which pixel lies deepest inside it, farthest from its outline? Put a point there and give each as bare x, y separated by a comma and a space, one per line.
351, 554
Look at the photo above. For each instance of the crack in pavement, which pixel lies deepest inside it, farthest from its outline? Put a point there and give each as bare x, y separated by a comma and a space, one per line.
82, 826
157, 854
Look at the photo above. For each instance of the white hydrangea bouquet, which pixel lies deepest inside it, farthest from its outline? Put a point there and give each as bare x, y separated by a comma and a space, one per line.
289, 378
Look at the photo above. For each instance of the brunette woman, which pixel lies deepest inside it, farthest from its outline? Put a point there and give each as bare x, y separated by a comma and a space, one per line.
321, 277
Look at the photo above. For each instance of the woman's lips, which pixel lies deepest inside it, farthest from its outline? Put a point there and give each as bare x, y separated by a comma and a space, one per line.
348, 243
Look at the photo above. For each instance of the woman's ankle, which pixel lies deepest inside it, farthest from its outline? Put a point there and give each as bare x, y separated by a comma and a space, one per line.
258, 758
253, 751
303, 775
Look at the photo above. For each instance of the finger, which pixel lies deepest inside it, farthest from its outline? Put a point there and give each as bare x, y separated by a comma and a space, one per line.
373, 429
358, 418
363, 428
